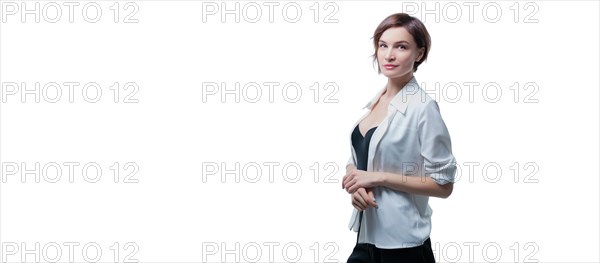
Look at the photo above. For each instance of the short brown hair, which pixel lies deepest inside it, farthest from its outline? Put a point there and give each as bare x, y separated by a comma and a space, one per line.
413, 25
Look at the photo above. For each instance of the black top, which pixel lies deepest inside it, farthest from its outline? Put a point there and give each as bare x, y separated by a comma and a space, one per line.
361, 147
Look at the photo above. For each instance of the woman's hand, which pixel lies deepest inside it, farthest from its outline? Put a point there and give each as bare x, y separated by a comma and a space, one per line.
349, 169
355, 179
363, 198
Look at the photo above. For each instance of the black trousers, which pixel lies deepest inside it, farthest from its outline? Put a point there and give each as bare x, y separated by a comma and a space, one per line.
368, 253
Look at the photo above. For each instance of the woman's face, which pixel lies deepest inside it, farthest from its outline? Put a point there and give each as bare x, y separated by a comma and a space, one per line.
397, 52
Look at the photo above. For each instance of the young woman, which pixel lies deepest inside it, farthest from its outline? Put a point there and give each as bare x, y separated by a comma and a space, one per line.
401, 153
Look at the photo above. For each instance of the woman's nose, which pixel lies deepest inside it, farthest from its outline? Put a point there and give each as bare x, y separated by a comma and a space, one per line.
389, 56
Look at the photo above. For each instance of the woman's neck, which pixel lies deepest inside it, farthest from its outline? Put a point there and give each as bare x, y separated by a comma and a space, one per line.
394, 85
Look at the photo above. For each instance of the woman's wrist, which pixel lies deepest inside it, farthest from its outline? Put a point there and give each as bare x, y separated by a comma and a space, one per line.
380, 178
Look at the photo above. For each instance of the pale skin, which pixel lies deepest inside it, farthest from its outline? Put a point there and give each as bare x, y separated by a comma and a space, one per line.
396, 46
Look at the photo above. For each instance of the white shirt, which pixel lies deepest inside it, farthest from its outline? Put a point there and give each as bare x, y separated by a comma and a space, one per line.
412, 140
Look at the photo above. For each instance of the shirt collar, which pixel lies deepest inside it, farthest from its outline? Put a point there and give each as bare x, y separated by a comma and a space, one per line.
400, 100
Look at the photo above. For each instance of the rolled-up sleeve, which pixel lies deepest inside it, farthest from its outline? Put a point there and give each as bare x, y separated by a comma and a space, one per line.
436, 147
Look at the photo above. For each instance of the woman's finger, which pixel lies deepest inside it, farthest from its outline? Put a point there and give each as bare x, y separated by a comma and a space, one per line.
346, 179
356, 206
351, 186
371, 199
360, 202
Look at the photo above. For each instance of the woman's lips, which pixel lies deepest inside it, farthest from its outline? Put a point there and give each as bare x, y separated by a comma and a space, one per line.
390, 66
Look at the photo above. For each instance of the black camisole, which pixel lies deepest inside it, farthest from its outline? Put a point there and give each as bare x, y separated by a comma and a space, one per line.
361, 147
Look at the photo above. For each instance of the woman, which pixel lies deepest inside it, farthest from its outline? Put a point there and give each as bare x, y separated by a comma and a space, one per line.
401, 153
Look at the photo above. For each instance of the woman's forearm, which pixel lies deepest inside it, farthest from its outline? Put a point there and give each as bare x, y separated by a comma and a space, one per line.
421, 185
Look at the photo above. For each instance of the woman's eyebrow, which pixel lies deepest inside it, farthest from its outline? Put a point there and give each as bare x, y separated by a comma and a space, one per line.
401, 41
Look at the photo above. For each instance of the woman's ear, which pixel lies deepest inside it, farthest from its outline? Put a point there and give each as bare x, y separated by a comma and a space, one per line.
421, 53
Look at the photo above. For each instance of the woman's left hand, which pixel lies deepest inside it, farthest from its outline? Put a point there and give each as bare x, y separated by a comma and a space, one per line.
356, 179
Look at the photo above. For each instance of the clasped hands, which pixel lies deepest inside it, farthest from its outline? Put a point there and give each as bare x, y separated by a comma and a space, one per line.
359, 184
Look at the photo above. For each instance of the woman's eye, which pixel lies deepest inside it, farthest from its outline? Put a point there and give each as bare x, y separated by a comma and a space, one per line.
402, 47
381, 45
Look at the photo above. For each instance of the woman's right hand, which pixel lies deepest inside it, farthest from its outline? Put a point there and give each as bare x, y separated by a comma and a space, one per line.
363, 198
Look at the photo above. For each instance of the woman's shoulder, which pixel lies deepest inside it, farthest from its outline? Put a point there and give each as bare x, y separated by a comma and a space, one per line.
419, 100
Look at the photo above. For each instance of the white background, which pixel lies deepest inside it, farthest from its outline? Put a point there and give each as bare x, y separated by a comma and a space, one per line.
178, 212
